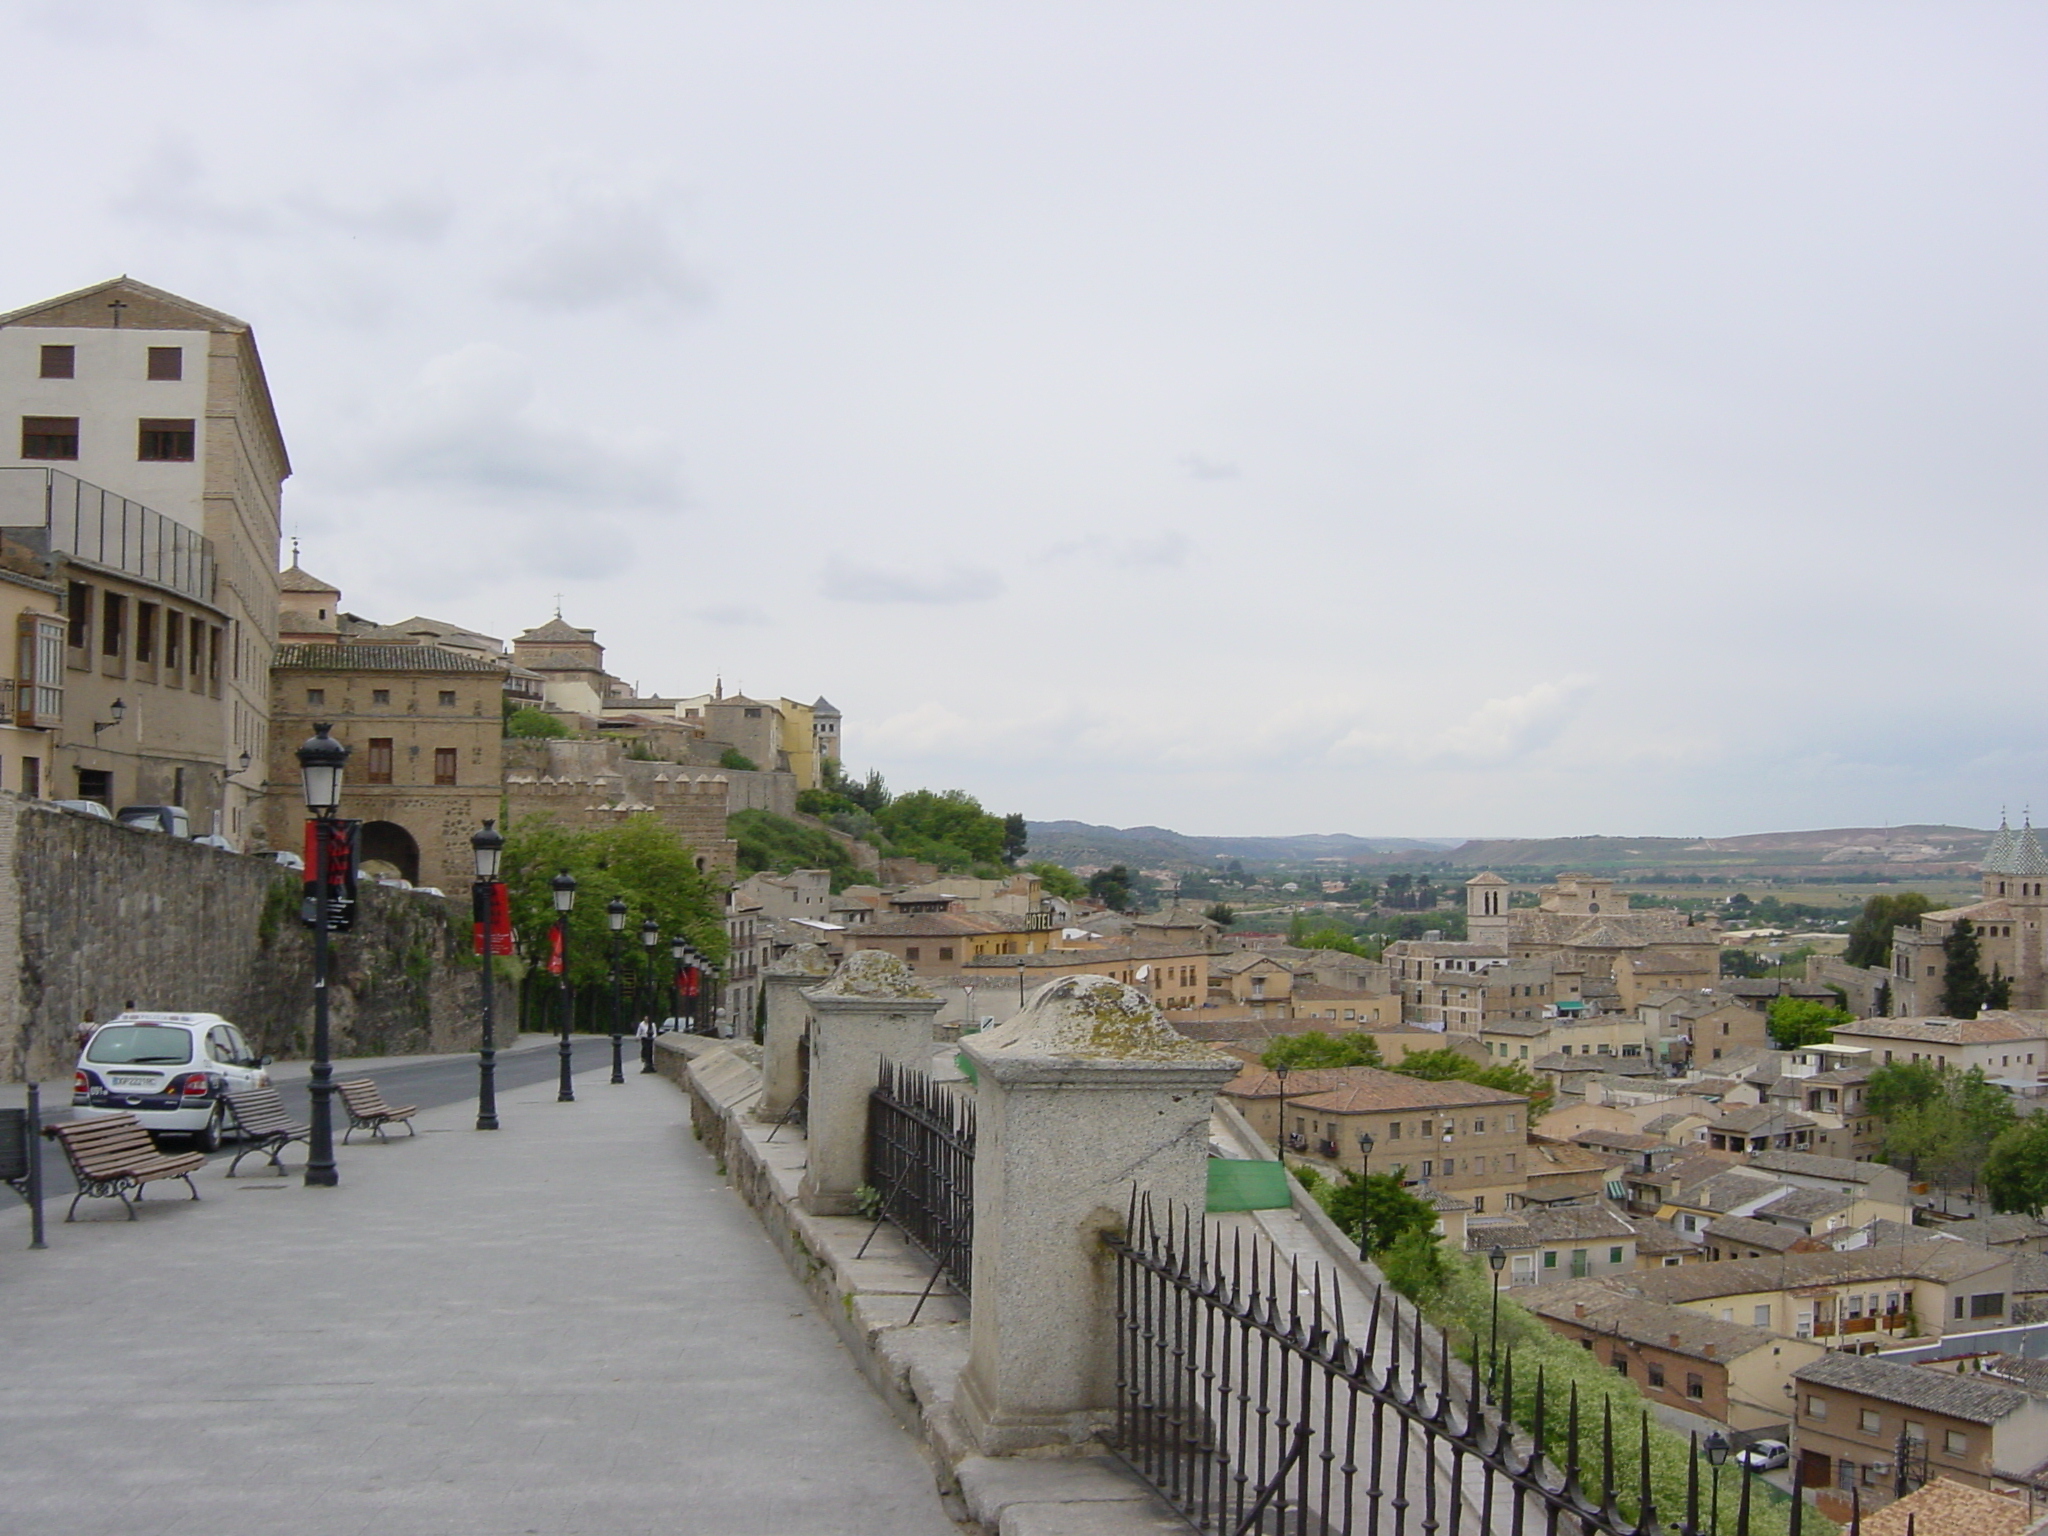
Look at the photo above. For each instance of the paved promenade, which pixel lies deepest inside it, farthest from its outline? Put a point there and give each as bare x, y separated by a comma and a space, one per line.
571, 1326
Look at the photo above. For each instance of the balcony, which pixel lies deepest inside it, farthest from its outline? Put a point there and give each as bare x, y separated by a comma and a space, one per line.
53, 513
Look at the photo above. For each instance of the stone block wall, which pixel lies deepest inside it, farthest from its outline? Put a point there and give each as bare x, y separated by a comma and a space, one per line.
94, 917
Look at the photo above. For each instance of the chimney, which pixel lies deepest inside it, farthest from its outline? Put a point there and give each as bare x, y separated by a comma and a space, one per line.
1672, 1341
1710, 1351
1578, 1309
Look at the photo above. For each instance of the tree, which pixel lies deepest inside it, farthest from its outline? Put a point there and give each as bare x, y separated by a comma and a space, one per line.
1058, 880
1397, 890
1388, 1211
1998, 992
1962, 983
1902, 1085
2016, 1168
534, 724
1313, 1048
1414, 1265
737, 761
1112, 887
1743, 964
943, 827
1799, 1021
1016, 837
1870, 935
1222, 914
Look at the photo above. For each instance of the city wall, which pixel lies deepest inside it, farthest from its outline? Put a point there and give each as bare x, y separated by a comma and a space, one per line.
95, 917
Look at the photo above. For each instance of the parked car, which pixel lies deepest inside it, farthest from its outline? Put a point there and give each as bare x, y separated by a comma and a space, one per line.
157, 818
85, 808
289, 859
1765, 1456
169, 1070
215, 840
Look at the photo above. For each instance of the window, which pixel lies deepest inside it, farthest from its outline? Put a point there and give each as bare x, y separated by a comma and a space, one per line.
1916, 1432
1426, 1167
1550, 1258
49, 437
78, 615
1479, 1204
174, 638
1510, 1123
752, 714
1695, 1385
1428, 1128
380, 695
1614, 1255
1871, 1421
1989, 1305
1450, 1166
32, 777
60, 362
447, 698
114, 625
1816, 1408
96, 784
1394, 1131
1655, 1373
145, 631
1961, 1302
1956, 1443
945, 951
1478, 1126
167, 363
1760, 1315
911, 953
1620, 1362
165, 442
379, 760
316, 698
444, 765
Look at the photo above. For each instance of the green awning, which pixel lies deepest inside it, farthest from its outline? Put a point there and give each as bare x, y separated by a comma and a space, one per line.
1244, 1184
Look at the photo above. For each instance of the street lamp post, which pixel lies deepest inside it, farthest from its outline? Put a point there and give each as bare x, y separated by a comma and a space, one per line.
1280, 1139
678, 954
488, 847
1020, 981
1717, 1458
615, 920
1496, 1260
321, 761
650, 935
1364, 1162
564, 886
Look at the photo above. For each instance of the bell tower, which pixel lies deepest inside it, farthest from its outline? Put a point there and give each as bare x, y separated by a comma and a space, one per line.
1486, 909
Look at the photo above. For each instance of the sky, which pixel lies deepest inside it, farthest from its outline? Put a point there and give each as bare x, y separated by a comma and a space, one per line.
1408, 419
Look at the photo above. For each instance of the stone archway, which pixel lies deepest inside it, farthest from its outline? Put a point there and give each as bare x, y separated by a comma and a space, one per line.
387, 848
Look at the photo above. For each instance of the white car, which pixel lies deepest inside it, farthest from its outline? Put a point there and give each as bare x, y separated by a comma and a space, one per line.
169, 1070
1766, 1456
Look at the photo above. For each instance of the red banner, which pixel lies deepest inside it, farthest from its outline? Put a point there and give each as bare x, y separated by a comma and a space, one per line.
555, 950
688, 980
492, 901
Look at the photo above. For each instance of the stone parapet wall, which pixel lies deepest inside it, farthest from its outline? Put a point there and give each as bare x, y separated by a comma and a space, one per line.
95, 916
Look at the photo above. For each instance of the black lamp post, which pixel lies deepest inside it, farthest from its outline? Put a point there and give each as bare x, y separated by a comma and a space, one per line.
678, 953
1717, 1458
615, 920
489, 848
1496, 1260
1020, 981
321, 761
1364, 1162
564, 886
1280, 1141
650, 935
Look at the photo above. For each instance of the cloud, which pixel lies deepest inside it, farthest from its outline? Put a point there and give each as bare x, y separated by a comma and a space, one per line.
1497, 731
172, 189
849, 581
590, 245
734, 616
1209, 469
1168, 550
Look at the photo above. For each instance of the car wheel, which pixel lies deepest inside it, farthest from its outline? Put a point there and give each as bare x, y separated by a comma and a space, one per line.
208, 1139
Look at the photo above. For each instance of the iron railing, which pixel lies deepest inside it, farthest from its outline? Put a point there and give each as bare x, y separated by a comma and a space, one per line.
57, 513
1243, 1402
921, 1166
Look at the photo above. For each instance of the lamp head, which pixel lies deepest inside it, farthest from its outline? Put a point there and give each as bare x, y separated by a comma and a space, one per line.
1717, 1449
564, 886
650, 932
321, 761
1364, 1143
489, 848
1497, 1258
615, 914
246, 760
120, 711
679, 949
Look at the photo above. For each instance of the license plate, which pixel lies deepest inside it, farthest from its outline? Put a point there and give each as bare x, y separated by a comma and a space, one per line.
130, 1080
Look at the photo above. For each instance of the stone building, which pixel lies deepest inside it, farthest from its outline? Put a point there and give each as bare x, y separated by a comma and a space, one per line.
1978, 1427
1585, 928
148, 478
424, 727
570, 663
2011, 923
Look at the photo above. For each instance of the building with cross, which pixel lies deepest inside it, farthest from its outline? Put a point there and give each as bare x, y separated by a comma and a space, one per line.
2010, 921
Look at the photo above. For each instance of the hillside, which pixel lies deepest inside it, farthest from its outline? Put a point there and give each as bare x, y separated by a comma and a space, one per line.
1077, 842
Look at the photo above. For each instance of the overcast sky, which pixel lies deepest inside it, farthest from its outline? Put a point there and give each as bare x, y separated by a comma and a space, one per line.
1421, 419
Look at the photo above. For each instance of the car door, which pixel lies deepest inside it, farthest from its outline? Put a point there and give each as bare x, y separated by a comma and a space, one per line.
226, 1053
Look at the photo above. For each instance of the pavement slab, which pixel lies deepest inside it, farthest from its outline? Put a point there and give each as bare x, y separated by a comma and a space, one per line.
571, 1327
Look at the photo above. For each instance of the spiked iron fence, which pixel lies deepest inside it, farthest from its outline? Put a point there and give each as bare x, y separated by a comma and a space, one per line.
1242, 1400
921, 1164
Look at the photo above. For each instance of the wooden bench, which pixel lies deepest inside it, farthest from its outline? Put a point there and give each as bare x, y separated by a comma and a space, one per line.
112, 1154
367, 1110
264, 1125
17, 1151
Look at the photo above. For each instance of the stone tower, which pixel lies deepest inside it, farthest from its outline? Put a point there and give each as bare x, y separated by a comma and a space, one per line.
2015, 872
1486, 909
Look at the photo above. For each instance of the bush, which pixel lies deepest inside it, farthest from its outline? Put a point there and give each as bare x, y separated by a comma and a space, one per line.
776, 844
534, 724
737, 761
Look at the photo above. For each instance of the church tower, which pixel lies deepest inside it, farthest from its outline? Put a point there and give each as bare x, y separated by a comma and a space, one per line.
2016, 873
1486, 909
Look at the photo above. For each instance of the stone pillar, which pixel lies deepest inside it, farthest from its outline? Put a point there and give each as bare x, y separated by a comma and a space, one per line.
788, 1016
872, 1010
1084, 1096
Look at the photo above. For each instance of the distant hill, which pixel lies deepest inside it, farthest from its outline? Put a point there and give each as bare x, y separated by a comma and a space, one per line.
1835, 851
1077, 842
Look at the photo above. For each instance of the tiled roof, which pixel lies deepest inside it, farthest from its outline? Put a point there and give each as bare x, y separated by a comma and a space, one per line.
1725, 1191
2000, 1228
1356, 1090
378, 658
1946, 1507
1656, 1238
1812, 1165
558, 632
1746, 1232
1621, 1141
1967, 1396
1748, 1119
2022, 857
1642, 1322
1985, 1029
1804, 1205
293, 579
1932, 1260
1548, 1156
944, 925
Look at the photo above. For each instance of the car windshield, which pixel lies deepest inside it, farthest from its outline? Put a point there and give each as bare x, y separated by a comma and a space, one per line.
141, 1044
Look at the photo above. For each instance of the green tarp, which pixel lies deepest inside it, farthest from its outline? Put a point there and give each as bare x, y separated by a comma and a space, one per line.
1245, 1185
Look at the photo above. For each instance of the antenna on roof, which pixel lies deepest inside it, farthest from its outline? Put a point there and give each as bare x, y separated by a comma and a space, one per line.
295, 549
558, 605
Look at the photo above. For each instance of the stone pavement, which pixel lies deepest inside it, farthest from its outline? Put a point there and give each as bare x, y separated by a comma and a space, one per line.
569, 1328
